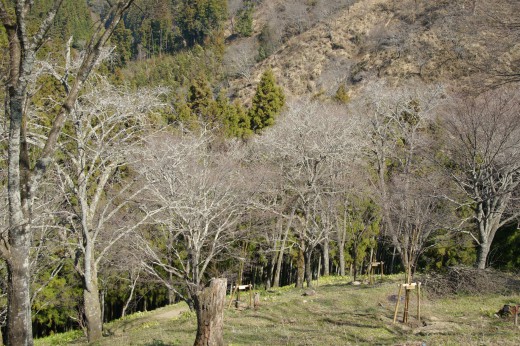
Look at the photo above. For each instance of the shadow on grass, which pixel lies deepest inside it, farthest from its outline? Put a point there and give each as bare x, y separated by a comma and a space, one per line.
156, 342
350, 323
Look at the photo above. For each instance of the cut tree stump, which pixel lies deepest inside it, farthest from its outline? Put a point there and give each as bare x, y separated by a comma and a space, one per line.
209, 306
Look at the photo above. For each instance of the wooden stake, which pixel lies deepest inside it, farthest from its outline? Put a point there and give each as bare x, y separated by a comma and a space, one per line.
406, 303
250, 296
419, 302
232, 295
397, 303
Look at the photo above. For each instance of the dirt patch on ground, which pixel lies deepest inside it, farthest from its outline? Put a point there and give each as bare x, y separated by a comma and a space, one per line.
173, 313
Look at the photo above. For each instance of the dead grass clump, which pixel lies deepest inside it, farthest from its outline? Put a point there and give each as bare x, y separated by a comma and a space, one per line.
469, 280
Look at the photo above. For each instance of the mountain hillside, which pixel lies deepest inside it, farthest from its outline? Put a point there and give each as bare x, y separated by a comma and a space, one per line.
464, 43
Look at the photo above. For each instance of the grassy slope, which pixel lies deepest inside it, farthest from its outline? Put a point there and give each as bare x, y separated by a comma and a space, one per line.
339, 314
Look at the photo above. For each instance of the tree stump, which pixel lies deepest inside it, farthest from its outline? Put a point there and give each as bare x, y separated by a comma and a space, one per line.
209, 306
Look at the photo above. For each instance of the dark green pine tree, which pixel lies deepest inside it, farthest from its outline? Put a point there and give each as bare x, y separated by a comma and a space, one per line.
267, 103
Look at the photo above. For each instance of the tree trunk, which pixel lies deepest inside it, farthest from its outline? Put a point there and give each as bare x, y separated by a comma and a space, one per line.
19, 300
326, 261
270, 273
483, 253
300, 262
209, 305
92, 311
308, 271
341, 260
354, 260
276, 280
133, 284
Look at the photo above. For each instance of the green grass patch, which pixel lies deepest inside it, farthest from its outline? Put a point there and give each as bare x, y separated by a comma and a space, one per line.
339, 314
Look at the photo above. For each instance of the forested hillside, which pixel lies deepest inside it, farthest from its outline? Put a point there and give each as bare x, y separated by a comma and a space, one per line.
149, 146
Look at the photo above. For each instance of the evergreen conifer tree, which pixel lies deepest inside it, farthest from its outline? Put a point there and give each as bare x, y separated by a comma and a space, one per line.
200, 99
267, 103
244, 25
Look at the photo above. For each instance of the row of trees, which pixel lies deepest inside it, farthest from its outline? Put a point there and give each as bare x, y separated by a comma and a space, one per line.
165, 27
88, 167
391, 170
91, 135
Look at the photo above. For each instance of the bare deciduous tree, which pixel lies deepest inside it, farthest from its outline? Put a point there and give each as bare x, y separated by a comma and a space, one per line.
484, 149
315, 142
24, 178
201, 193
106, 126
405, 177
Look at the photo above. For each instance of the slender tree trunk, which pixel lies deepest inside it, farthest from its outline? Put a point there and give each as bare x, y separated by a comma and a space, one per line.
341, 260
308, 269
300, 262
209, 305
326, 259
354, 260
276, 280
392, 263
103, 294
270, 272
133, 284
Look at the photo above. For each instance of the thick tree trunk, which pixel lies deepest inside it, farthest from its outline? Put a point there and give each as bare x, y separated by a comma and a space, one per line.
92, 311
483, 253
300, 263
19, 300
326, 259
209, 306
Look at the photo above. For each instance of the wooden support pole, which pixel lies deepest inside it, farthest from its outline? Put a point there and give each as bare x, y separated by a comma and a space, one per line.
250, 296
419, 302
397, 303
232, 294
382, 270
406, 303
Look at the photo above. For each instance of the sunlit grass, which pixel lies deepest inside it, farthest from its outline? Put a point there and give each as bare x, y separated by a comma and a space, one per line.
339, 314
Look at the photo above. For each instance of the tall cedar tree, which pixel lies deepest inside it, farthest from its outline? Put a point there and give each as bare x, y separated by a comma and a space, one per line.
200, 99
267, 103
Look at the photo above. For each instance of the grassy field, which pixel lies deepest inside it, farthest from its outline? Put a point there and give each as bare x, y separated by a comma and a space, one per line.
339, 314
